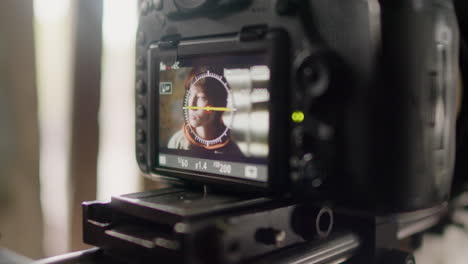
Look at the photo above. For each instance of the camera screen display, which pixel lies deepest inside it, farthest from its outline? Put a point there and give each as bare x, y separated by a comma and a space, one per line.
214, 116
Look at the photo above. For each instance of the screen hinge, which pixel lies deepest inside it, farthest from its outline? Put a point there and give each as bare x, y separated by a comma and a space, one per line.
255, 32
168, 49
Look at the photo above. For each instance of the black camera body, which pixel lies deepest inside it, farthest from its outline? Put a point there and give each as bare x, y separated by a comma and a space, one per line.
350, 101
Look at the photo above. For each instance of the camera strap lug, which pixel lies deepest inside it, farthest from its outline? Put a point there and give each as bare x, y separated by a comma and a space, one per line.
251, 33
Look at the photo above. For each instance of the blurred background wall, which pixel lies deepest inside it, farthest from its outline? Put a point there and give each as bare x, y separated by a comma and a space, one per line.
66, 117
20, 207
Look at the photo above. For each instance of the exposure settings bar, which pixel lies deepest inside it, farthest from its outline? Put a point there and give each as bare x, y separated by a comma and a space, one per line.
224, 168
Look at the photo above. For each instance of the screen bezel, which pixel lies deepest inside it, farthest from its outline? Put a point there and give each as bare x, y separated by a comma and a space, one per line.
273, 47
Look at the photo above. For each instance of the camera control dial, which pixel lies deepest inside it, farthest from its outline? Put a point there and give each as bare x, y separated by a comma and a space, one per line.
312, 74
319, 80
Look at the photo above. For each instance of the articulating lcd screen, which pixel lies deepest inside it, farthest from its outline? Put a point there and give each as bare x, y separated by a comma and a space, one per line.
214, 116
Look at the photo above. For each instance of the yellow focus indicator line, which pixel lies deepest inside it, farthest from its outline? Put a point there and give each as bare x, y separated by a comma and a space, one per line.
211, 108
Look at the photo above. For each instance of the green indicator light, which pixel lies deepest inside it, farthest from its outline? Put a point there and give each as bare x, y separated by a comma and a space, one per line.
297, 116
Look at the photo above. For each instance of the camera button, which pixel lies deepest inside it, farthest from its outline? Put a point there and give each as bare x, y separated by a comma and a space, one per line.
141, 157
251, 172
141, 111
141, 136
158, 4
161, 19
140, 62
143, 167
298, 136
141, 39
141, 87
313, 75
294, 162
145, 8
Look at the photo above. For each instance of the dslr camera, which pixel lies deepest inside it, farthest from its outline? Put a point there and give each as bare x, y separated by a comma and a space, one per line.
351, 101
328, 124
